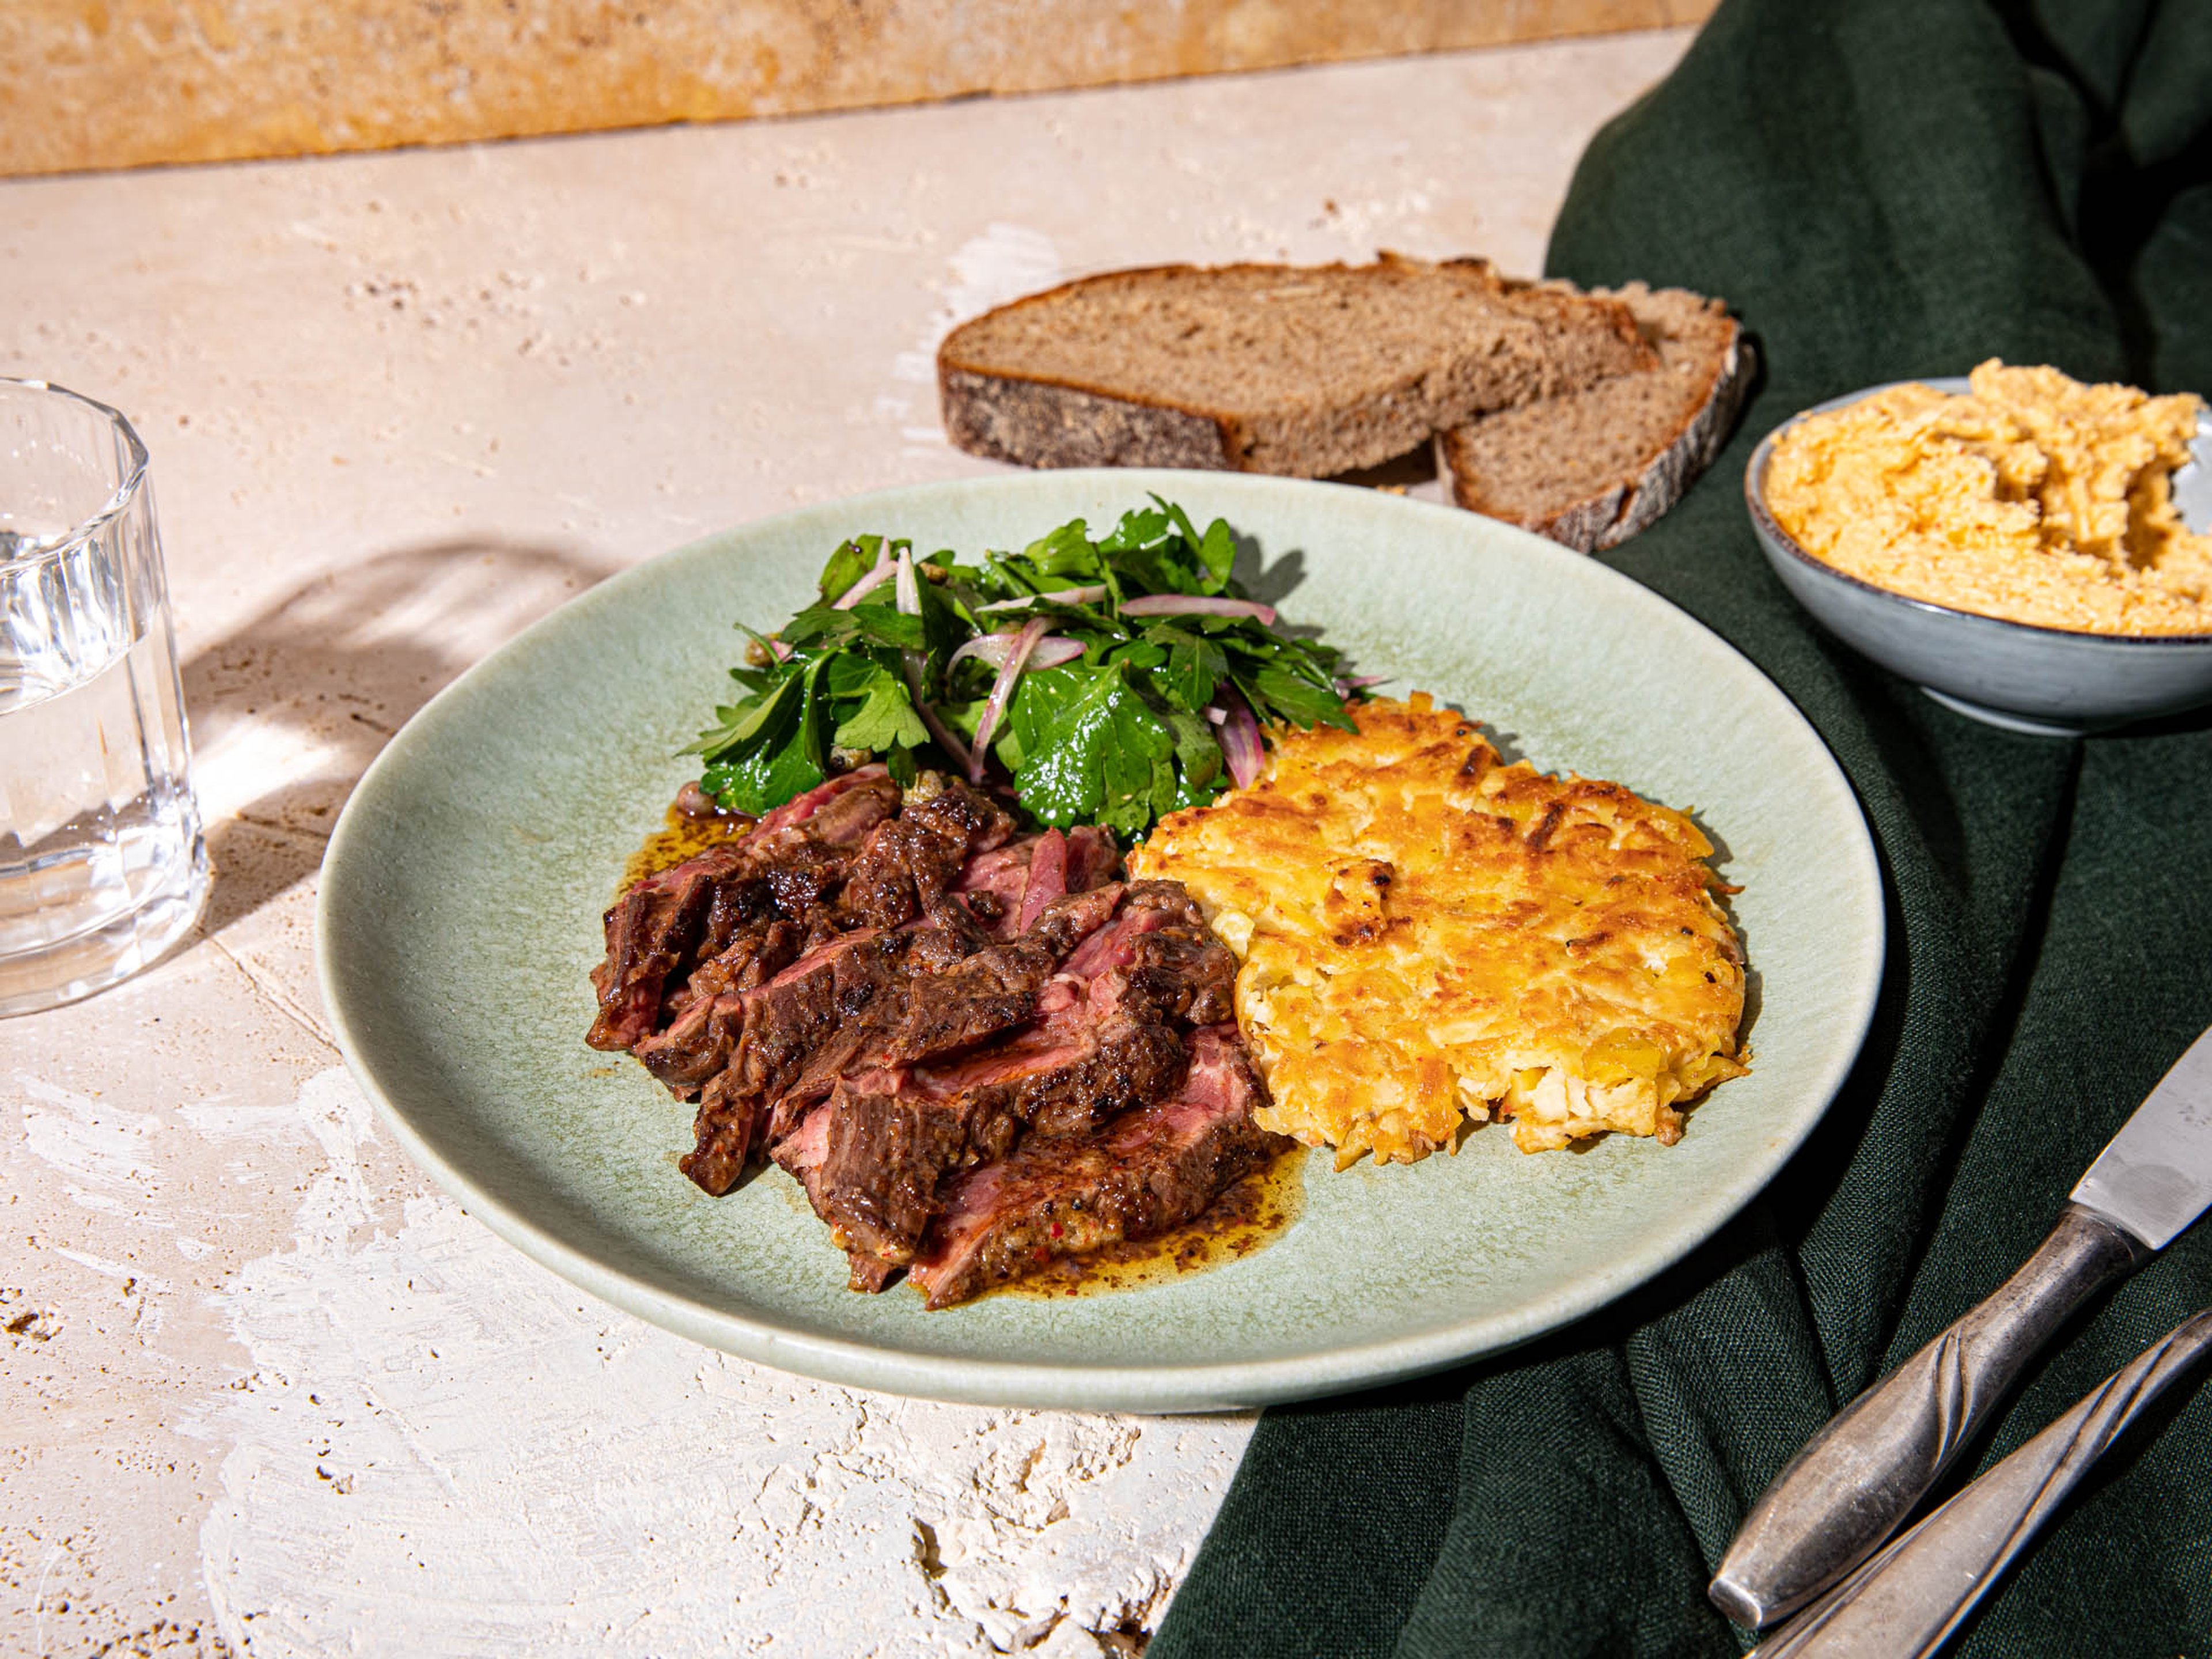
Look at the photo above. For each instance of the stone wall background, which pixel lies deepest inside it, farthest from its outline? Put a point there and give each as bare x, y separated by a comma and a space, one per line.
115, 83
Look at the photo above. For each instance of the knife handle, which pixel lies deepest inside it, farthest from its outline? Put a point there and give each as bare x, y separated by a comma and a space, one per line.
1863, 1473
1903, 1604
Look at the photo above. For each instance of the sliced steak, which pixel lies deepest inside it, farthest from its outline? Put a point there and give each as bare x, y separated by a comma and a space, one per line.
948, 933
726, 1127
908, 862
1048, 879
772, 1031
706, 1028
650, 931
926, 1016
1008, 887
870, 1157
991, 883
1147, 1171
878, 798
873, 1154
791, 862
857, 1004
1091, 858
1064, 1084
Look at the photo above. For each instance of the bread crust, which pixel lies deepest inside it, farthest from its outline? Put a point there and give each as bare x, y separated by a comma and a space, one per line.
1045, 420
1611, 514
1050, 424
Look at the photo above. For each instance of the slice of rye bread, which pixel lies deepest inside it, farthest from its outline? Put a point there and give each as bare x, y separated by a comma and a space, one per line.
1305, 371
1592, 468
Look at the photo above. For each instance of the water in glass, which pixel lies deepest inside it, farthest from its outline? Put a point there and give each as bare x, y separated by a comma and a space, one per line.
103, 865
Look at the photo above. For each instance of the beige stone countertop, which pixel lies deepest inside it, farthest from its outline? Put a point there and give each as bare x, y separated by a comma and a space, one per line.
267, 1391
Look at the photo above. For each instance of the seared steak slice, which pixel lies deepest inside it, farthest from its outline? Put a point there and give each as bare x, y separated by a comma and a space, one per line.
650, 931
1091, 858
705, 1032
926, 1015
1062, 1082
792, 859
774, 1028
1145, 1172
1067, 922
829, 997
948, 933
1008, 888
909, 861
991, 884
1048, 879
725, 1128
873, 1154
857, 1005
875, 798
1121, 1064
870, 1157
740, 900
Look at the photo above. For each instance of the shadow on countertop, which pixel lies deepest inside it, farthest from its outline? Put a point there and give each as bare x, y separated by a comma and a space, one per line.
287, 711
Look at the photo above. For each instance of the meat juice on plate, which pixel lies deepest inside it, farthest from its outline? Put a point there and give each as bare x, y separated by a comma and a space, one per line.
101, 861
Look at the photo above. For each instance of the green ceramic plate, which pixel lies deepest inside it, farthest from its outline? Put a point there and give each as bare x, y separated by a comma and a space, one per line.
460, 914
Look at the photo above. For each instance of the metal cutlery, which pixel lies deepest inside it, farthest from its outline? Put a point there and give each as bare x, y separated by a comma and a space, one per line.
1862, 1474
1904, 1603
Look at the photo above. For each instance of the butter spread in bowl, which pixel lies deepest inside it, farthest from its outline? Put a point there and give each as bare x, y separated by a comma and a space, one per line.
2031, 497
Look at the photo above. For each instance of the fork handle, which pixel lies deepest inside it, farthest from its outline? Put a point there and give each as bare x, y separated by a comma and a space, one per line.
1863, 1473
1904, 1603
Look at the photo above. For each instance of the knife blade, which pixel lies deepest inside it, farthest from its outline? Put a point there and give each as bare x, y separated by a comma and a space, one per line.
2154, 1177
1855, 1480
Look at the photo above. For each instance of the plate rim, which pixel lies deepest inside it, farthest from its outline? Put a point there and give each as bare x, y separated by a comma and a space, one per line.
1152, 1388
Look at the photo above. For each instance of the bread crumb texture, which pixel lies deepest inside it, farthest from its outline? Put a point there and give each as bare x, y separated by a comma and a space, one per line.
1431, 938
2032, 497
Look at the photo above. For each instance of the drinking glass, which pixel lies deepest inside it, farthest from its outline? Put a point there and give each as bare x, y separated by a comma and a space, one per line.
102, 864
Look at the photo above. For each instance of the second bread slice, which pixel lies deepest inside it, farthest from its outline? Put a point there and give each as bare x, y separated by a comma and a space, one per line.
1268, 368
1592, 468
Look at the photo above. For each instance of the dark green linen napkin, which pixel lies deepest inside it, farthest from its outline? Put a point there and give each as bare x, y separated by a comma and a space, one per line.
1882, 190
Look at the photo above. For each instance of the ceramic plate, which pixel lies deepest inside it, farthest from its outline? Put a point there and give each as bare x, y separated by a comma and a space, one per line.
459, 915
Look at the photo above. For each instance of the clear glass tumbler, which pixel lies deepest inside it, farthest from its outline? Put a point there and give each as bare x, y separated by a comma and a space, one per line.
102, 864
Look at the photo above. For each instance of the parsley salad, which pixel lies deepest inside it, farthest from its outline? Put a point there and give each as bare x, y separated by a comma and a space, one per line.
1111, 681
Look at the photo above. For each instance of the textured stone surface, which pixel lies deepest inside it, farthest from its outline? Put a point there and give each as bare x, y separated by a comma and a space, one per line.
104, 83
264, 1387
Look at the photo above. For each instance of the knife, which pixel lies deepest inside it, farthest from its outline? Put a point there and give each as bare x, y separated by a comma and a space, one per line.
1863, 1473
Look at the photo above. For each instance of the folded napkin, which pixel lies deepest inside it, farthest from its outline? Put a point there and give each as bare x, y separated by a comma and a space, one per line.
1883, 189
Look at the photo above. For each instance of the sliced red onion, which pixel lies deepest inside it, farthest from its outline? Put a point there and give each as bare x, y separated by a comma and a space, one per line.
947, 738
883, 569
778, 650
1193, 605
1240, 745
1058, 596
909, 605
1017, 656
1050, 653
1359, 683
909, 590
1214, 715
1053, 650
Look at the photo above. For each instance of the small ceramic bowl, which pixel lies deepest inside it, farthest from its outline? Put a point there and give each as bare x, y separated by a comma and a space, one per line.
2048, 681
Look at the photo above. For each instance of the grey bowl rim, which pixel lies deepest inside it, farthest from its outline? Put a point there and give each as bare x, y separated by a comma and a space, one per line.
1773, 533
